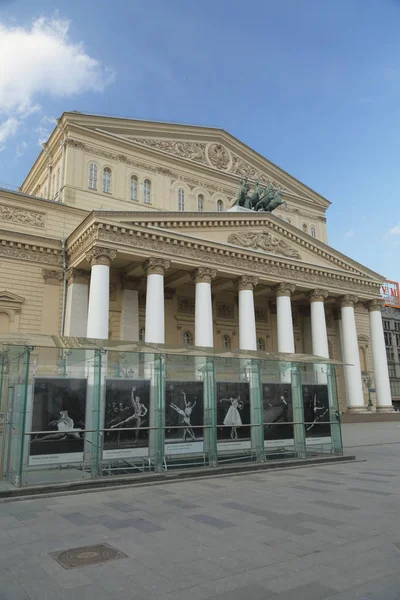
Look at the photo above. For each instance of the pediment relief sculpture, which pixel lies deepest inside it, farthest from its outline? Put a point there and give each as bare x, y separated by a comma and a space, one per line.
210, 154
263, 240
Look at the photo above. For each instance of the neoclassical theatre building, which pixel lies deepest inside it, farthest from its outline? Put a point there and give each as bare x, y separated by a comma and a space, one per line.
122, 229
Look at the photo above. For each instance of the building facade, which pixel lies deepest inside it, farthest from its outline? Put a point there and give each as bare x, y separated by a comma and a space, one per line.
391, 326
122, 229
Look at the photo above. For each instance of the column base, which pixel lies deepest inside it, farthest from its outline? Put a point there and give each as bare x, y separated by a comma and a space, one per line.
385, 409
356, 409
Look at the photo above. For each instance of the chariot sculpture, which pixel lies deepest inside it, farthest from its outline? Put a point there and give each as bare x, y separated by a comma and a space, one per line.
265, 200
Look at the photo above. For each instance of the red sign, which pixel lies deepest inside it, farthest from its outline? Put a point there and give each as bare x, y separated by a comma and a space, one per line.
390, 292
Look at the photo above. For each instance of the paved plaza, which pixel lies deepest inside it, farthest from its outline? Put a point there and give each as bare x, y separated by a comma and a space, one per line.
328, 532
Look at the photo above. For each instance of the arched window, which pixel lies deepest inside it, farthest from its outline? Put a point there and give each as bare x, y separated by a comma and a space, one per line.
92, 181
133, 187
261, 344
220, 206
107, 180
187, 338
313, 233
181, 199
200, 202
142, 333
147, 191
226, 342
305, 228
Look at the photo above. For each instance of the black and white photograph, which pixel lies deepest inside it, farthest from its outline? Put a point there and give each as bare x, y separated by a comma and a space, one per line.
58, 415
316, 411
277, 412
183, 417
126, 418
233, 414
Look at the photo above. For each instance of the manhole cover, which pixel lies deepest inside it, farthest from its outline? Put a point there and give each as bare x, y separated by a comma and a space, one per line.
86, 556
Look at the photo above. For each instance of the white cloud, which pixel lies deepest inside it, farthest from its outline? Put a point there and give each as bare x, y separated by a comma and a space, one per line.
394, 230
7, 129
349, 233
42, 60
21, 149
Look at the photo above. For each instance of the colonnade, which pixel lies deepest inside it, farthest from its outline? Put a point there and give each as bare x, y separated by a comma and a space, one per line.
154, 268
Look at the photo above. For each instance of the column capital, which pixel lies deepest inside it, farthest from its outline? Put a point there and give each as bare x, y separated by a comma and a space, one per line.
348, 300
247, 282
376, 304
285, 289
318, 295
156, 266
77, 275
203, 275
101, 256
52, 276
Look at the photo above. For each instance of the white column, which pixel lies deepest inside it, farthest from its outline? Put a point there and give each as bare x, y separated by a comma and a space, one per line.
382, 382
203, 327
76, 308
247, 319
99, 294
129, 327
284, 319
155, 310
319, 334
350, 354
284, 322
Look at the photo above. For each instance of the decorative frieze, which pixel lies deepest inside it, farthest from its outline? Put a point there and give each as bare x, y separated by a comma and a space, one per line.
224, 310
264, 240
20, 216
30, 253
186, 305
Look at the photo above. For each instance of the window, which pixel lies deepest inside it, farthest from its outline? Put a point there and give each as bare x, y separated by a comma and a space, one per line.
261, 344
388, 338
142, 334
181, 199
305, 228
92, 183
397, 339
386, 324
107, 180
187, 338
392, 369
395, 387
226, 342
390, 354
313, 233
133, 187
147, 191
220, 206
200, 203
397, 326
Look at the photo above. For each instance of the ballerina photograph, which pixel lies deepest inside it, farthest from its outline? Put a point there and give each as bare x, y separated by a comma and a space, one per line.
316, 410
277, 411
233, 411
58, 411
126, 418
183, 411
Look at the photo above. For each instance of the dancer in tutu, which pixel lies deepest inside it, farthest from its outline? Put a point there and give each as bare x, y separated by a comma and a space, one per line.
186, 415
232, 417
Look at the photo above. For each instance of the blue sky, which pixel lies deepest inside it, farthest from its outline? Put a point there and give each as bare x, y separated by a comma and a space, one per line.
313, 85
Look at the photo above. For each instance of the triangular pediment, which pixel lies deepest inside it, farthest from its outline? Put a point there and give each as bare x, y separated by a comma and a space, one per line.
10, 298
202, 147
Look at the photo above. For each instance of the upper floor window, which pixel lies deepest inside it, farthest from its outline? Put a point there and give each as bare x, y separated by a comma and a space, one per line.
305, 228
386, 324
200, 202
397, 325
313, 232
142, 333
181, 199
92, 182
147, 191
187, 338
261, 344
226, 342
107, 180
133, 187
220, 206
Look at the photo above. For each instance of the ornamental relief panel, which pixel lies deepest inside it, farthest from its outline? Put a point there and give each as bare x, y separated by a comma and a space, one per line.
264, 240
31, 218
225, 311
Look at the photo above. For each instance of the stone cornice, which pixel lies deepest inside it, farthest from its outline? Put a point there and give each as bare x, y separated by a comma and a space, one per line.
140, 241
30, 248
